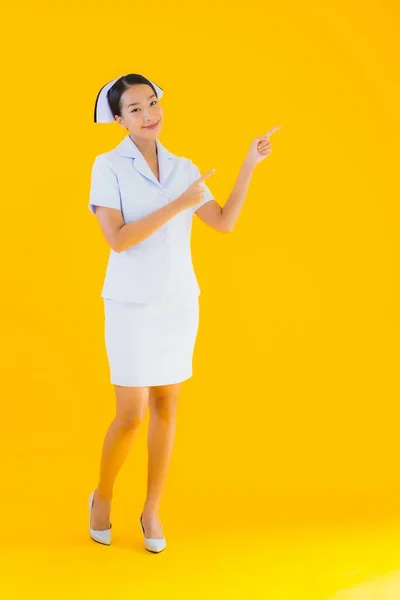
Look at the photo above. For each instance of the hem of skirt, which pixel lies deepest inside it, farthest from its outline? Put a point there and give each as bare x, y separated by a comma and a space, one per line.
161, 382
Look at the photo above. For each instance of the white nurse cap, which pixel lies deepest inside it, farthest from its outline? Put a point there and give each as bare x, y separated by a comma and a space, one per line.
102, 111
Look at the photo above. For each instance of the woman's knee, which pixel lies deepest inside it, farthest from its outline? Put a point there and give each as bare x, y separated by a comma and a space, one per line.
164, 403
129, 420
131, 406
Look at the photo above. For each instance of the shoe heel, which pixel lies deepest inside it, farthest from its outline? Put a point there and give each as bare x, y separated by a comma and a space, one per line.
153, 544
102, 536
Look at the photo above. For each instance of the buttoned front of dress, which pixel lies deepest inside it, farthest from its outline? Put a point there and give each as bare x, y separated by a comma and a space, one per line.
161, 265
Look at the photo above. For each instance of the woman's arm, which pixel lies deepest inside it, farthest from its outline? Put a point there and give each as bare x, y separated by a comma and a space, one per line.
224, 219
121, 236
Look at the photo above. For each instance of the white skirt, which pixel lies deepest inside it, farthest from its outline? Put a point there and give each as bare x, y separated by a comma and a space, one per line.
150, 344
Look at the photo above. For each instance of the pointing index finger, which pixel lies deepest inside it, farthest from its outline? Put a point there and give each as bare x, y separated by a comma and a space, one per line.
271, 131
206, 175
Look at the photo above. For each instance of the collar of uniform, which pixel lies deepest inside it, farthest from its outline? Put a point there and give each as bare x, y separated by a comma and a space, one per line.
165, 159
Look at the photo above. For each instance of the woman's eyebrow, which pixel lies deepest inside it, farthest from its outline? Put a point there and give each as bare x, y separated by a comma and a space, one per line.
133, 103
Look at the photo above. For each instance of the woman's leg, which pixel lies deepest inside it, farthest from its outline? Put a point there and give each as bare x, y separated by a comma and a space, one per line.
131, 407
163, 405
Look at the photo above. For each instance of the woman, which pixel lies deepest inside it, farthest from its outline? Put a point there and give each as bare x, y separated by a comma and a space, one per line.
144, 198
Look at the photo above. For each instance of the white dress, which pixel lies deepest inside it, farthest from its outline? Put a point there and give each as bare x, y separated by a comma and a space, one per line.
150, 293
150, 344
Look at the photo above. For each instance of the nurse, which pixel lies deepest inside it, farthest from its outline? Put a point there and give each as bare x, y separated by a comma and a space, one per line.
144, 198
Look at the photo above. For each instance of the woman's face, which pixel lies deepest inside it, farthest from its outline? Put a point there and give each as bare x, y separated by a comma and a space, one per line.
140, 107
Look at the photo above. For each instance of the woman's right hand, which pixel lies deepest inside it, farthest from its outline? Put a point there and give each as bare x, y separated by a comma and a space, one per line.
193, 195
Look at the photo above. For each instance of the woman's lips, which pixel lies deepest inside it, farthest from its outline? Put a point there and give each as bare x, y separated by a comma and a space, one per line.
151, 126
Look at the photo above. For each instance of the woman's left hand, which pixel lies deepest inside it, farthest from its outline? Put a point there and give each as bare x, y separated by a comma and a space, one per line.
260, 148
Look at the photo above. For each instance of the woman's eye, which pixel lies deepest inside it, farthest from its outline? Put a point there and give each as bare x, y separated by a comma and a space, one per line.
135, 109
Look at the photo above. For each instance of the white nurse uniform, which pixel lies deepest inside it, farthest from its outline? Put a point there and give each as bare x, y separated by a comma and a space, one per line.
150, 290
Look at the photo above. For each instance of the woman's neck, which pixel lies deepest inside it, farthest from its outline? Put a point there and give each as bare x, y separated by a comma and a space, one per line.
147, 147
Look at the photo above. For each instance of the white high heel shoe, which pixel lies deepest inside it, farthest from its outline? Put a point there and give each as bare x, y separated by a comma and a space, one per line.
102, 536
153, 544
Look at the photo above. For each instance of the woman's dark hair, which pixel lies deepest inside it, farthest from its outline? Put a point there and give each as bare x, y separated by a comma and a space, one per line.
123, 83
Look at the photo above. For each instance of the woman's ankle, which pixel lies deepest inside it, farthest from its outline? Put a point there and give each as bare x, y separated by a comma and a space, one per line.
103, 495
150, 510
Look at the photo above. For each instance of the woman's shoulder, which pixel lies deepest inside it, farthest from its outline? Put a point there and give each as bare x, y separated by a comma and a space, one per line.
109, 158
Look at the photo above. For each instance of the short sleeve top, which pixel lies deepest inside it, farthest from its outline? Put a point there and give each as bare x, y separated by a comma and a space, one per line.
160, 264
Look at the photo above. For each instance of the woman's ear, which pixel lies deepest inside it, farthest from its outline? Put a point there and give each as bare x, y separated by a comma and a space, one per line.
120, 122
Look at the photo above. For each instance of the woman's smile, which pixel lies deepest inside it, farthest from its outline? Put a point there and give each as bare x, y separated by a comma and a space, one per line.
152, 126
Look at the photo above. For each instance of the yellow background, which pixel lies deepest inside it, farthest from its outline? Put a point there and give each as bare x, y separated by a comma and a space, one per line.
292, 415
